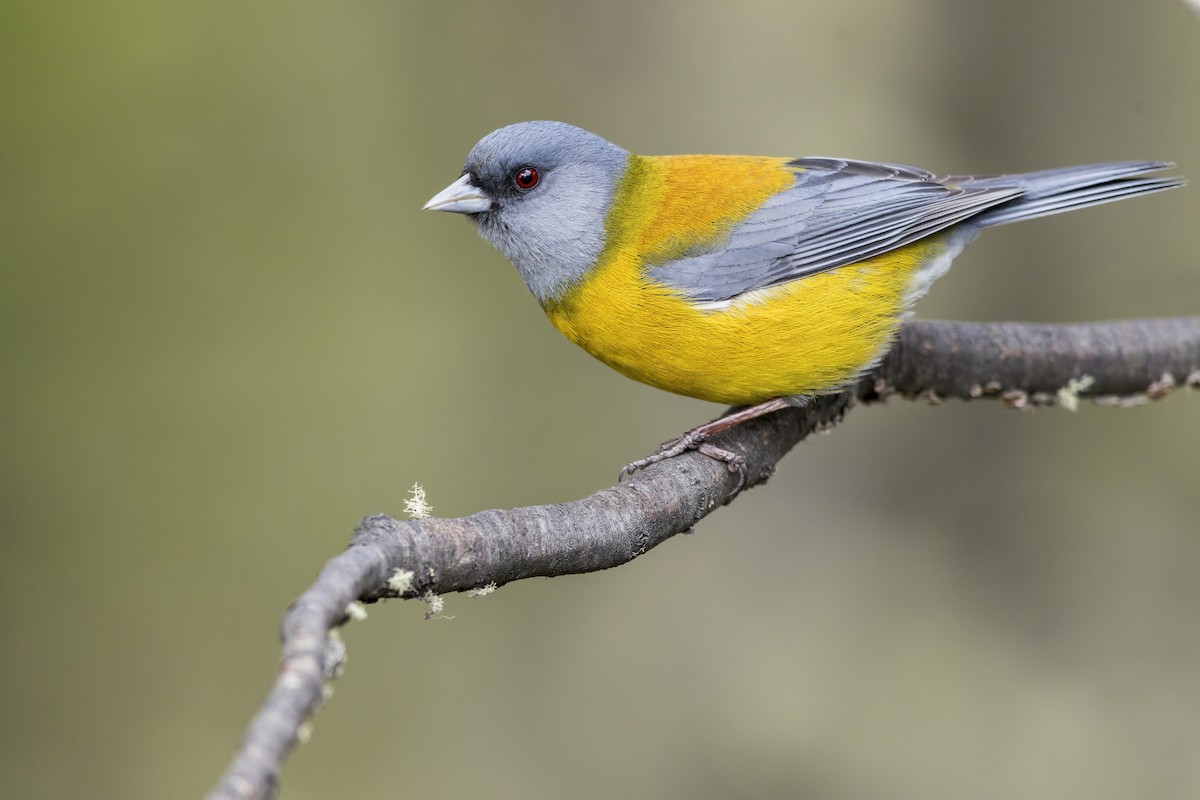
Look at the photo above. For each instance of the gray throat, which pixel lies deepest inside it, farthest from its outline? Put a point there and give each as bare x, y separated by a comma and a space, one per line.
555, 238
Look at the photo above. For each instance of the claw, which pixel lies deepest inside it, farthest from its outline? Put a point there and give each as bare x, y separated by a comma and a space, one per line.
696, 439
666, 450
736, 462
692, 440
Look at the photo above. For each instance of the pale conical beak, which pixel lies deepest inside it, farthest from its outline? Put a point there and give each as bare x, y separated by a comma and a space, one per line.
460, 197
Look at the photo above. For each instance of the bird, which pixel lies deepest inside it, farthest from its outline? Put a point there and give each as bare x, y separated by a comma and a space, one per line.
758, 282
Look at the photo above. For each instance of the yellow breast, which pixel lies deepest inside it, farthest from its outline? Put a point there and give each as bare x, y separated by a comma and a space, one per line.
804, 337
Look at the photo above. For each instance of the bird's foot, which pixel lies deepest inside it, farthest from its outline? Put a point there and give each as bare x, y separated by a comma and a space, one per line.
696, 439
692, 440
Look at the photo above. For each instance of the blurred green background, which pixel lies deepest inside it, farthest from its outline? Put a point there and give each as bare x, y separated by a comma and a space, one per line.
229, 333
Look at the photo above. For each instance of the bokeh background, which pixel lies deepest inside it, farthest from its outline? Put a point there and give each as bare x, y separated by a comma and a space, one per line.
229, 333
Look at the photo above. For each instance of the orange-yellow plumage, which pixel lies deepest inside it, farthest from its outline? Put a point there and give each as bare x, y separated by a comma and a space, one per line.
801, 337
666, 206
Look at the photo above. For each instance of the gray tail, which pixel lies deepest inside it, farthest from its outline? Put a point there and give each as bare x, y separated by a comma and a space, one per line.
1053, 191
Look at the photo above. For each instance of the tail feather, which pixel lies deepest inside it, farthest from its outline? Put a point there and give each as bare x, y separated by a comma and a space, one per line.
1056, 190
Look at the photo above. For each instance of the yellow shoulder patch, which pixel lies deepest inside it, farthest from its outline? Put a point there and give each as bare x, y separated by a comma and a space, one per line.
669, 206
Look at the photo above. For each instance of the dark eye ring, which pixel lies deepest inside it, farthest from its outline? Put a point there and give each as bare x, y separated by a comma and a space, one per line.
526, 178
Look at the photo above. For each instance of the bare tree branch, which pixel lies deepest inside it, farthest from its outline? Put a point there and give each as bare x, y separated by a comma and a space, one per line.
1126, 360
1020, 364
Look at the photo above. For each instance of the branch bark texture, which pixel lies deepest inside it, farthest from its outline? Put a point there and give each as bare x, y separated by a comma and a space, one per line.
1020, 364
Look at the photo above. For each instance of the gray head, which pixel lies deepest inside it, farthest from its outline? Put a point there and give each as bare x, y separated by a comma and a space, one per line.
539, 192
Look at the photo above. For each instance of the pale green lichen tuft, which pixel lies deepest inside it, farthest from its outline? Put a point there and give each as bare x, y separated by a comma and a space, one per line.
1068, 396
436, 605
415, 506
401, 581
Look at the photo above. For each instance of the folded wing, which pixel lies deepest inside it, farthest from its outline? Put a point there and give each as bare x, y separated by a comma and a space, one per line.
840, 212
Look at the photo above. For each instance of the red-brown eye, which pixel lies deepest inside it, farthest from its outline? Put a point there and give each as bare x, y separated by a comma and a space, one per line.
526, 178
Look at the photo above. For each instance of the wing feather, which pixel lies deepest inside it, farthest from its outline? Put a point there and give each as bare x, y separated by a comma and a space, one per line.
836, 213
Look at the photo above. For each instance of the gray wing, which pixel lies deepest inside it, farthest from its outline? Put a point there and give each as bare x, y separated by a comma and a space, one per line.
837, 212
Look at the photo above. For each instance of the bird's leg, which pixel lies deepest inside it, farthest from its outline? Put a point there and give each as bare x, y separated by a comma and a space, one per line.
695, 439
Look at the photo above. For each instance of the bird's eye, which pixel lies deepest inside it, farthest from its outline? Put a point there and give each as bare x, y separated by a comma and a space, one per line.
526, 178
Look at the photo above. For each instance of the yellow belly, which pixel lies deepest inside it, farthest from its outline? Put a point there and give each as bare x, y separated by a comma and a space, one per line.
806, 337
